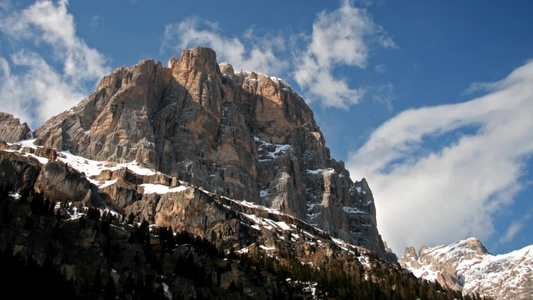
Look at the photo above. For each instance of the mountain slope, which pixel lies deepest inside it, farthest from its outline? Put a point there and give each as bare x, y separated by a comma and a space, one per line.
189, 182
245, 136
178, 241
468, 267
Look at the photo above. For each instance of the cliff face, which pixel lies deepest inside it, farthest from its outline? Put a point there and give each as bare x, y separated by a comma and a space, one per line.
245, 136
72, 225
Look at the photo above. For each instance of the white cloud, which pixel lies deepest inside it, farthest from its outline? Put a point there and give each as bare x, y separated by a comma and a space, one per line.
436, 196
515, 228
260, 57
40, 89
341, 37
44, 25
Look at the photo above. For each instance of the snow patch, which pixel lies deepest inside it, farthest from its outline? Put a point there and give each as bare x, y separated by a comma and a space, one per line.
321, 171
93, 167
15, 196
267, 248
352, 210
283, 226
160, 189
28, 143
272, 150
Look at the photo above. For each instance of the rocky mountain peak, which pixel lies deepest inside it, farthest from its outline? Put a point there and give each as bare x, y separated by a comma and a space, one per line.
467, 266
246, 135
476, 245
471, 245
199, 59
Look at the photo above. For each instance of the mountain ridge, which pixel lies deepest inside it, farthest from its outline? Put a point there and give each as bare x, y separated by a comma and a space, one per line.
244, 135
179, 241
233, 159
468, 267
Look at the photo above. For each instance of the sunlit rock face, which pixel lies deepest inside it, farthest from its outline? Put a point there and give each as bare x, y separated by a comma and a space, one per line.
243, 135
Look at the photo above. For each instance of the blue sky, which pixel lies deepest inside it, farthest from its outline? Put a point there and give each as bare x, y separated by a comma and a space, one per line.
431, 102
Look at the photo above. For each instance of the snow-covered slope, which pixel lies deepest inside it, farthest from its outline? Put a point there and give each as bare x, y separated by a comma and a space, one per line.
466, 266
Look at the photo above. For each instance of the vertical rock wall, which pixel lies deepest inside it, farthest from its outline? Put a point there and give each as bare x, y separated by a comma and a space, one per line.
243, 135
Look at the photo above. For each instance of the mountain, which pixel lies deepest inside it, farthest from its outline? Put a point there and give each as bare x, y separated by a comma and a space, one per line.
172, 240
190, 181
243, 135
467, 266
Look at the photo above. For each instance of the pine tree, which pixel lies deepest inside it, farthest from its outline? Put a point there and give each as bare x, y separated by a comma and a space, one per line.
97, 282
37, 202
110, 292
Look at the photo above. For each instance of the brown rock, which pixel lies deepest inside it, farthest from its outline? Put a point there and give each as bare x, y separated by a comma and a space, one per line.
243, 135
18, 173
11, 130
48, 153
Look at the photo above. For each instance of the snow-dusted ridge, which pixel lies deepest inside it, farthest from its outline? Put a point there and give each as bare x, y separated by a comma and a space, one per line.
276, 222
91, 168
504, 274
467, 265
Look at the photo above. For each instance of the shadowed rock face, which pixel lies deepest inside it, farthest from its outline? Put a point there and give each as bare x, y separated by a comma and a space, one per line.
246, 136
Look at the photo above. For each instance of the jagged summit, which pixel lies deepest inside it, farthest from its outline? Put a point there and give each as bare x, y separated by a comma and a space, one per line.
470, 245
244, 135
232, 163
467, 266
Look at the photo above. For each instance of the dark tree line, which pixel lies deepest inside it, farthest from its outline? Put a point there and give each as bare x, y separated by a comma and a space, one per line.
337, 278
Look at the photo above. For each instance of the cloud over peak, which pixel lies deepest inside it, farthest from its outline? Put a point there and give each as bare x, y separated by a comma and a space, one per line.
251, 54
440, 193
343, 37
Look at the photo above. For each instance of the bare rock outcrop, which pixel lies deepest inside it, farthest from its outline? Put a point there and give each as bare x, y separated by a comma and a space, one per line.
18, 174
243, 135
11, 130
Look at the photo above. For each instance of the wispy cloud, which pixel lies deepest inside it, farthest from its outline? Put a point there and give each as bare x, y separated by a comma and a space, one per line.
48, 26
437, 195
516, 227
383, 94
95, 21
56, 68
341, 37
380, 69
